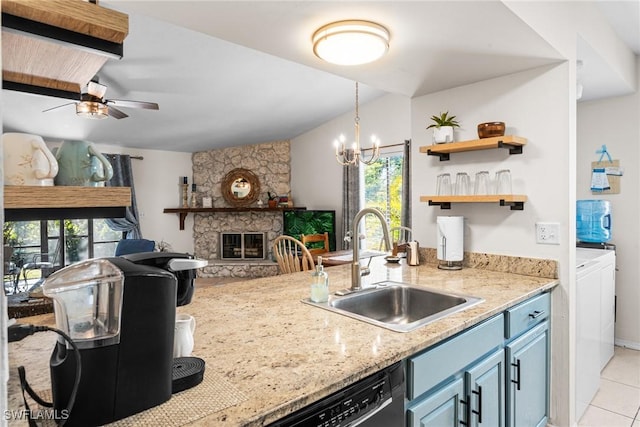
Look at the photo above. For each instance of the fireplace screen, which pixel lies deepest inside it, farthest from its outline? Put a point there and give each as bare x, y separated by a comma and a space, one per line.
242, 245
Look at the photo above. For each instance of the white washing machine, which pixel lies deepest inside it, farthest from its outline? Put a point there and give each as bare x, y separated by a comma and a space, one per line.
595, 320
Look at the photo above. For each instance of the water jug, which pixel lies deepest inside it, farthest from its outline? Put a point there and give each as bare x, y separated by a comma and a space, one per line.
76, 162
593, 221
27, 160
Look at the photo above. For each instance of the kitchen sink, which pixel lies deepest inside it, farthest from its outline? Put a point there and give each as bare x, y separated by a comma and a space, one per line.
398, 306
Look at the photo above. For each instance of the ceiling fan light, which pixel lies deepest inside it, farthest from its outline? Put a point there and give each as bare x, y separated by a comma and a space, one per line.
92, 110
351, 42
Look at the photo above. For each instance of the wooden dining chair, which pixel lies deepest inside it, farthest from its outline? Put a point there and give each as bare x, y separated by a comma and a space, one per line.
292, 256
316, 238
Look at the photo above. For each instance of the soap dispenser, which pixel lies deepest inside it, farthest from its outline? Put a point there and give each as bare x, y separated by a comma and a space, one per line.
319, 284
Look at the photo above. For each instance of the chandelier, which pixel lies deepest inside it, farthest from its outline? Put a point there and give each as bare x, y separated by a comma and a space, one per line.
354, 155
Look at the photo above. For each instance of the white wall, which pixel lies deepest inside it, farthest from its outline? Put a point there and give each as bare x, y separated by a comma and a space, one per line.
316, 177
156, 181
535, 105
622, 139
524, 101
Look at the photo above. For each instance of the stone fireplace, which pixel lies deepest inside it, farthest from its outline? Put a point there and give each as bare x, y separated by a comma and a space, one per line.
270, 162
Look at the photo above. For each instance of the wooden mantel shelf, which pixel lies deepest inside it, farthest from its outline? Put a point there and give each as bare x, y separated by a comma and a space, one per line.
183, 212
32, 202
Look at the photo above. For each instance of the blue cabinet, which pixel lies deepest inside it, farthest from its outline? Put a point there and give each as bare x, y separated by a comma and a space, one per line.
441, 408
473, 398
528, 378
495, 374
486, 391
459, 381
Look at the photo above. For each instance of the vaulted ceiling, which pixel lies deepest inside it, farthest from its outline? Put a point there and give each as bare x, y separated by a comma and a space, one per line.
241, 72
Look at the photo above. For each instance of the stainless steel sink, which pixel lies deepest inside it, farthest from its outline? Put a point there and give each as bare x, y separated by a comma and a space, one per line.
398, 306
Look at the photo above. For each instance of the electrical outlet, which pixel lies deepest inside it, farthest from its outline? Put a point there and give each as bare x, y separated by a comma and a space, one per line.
548, 233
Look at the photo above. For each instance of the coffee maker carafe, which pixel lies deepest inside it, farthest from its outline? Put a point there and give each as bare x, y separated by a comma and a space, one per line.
121, 315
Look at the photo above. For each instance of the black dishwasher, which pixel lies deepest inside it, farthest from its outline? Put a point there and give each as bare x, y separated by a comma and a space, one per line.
375, 401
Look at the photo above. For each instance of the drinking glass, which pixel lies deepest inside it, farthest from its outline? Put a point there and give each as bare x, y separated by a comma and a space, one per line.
443, 185
503, 182
481, 186
462, 184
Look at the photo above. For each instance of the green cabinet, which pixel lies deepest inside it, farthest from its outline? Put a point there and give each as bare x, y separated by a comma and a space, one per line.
495, 374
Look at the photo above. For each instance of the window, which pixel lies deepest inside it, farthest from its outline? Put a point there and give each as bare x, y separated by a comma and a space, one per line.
81, 239
383, 190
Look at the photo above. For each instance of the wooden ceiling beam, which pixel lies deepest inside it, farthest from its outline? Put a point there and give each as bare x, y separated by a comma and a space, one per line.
73, 15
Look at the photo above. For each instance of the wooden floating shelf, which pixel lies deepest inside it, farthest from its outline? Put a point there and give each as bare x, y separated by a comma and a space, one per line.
514, 201
56, 202
183, 212
513, 143
25, 197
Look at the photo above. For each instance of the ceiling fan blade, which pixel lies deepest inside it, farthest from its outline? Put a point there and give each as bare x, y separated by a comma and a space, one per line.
133, 104
59, 106
116, 114
96, 89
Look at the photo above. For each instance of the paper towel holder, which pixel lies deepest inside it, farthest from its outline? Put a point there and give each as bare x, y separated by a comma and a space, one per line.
450, 242
450, 265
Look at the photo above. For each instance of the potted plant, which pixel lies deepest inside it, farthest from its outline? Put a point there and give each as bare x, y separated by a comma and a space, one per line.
273, 200
443, 127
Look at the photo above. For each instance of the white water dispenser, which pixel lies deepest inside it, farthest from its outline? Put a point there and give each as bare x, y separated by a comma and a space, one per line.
450, 244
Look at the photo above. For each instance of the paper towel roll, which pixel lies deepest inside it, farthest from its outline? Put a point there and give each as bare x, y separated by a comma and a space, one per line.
450, 245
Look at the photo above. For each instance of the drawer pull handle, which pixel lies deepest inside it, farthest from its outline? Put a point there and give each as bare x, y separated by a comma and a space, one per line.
479, 411
517, 380
536, 314
467, 412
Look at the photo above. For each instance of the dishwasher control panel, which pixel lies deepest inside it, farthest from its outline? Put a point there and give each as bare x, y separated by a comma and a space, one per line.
347, 407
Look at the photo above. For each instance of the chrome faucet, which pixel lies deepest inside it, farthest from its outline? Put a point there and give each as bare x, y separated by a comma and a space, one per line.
356, 270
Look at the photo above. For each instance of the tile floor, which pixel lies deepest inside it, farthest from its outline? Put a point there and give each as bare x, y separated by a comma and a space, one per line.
617, 403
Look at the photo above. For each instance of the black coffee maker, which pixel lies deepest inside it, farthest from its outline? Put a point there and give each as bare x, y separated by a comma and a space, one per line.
182, 265
121, 315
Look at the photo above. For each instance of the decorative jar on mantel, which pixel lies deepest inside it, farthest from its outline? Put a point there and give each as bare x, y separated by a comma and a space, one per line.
81, 164
27, 160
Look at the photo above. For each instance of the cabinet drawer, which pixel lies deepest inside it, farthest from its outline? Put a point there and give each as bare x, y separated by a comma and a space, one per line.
442, 361
524, 315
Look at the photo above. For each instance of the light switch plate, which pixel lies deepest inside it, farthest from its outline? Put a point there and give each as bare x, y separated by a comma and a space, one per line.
548, 233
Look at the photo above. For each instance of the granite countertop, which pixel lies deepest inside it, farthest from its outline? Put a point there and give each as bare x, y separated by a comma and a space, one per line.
270, 354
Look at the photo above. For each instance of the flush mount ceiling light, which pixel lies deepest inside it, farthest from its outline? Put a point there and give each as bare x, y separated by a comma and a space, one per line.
351, 42
92, 110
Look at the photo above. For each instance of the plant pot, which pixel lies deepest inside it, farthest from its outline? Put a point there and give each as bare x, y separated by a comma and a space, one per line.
272, 203
443, 134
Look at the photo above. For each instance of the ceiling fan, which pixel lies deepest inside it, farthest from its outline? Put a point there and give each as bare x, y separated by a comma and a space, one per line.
93, 105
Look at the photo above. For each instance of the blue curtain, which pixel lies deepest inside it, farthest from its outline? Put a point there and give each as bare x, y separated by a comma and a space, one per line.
123, 177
